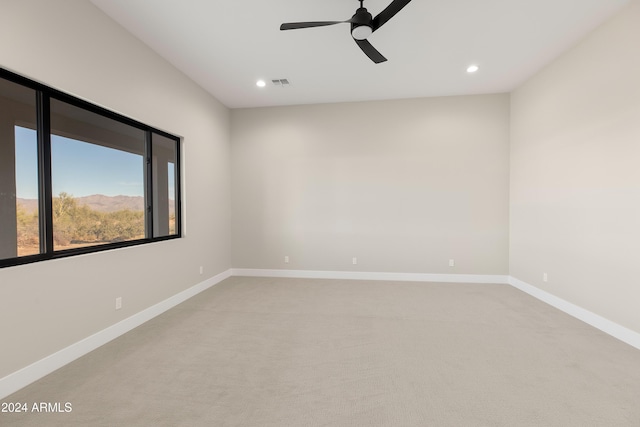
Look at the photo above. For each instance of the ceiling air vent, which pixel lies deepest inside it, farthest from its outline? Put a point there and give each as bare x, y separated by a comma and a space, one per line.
280, 82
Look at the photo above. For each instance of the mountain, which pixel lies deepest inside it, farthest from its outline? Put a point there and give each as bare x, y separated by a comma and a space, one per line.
100, 203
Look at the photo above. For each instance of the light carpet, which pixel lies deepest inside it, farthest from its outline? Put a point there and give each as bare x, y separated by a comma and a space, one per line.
310, 352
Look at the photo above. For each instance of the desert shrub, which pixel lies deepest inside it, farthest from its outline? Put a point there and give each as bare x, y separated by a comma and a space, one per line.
80, 224
28, 227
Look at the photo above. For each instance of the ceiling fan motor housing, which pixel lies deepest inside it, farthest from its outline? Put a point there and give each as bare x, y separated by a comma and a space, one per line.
361, 24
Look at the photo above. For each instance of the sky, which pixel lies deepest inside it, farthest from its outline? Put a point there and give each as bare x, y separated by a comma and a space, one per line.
79, 169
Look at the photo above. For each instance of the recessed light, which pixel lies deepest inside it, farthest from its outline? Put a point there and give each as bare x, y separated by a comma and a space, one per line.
261, 83
472, 69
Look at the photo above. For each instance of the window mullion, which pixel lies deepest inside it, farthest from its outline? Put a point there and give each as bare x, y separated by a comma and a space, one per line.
148, 179
178, 194
44, 173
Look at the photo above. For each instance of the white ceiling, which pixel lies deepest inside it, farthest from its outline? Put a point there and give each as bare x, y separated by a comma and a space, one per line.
226, 46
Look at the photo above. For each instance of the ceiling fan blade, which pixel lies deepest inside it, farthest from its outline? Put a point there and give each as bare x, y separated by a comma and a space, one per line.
391, 10
370, 51
297, 25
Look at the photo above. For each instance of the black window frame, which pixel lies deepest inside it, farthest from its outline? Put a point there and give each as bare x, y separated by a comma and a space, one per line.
44, 94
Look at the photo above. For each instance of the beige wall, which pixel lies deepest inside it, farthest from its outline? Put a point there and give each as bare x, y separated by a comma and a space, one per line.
575, 174
404, 186
72, 46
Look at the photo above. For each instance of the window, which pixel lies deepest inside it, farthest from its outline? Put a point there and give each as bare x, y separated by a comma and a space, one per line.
97, 178
19, 218
75, 178
26, 186
164, 158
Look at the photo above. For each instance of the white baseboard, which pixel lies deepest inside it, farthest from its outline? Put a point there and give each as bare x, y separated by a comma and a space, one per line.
363, 275
25, 376
605, 325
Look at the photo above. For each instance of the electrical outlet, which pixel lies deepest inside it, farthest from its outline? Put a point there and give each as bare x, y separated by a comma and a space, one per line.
451, 263
354, 260
286, 259
201, 269
118, 303
545, 278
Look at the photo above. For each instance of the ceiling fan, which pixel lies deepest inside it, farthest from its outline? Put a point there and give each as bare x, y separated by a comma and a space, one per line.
363, 24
